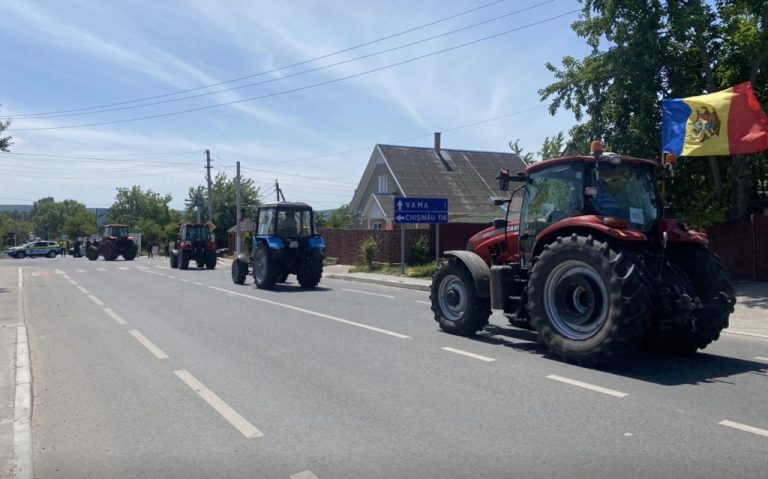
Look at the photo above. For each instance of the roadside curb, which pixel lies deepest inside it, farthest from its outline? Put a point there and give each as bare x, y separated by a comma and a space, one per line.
383, 282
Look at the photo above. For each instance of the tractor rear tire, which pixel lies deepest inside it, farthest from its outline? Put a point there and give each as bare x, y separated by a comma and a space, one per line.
239, 272
186, 256
263, 268
92, 252
456, 308
131, 252
174, 260
309, 276
588, 301
210, 260
109, 250
713, 287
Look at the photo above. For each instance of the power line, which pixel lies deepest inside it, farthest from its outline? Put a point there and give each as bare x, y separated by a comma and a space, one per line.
266, 72
303, 72
306, 87
85, 159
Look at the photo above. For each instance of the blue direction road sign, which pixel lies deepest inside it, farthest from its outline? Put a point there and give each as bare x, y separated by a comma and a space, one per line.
421, 210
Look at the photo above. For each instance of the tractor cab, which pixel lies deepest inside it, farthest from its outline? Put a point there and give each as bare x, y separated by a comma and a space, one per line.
614, 195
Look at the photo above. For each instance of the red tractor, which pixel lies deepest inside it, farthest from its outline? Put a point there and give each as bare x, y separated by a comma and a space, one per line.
114, 242
592, 264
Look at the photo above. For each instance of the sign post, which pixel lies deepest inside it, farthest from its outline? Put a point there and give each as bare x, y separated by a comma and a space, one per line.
419, 211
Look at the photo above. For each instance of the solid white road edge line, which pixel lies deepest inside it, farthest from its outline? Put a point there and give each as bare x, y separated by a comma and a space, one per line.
744, 427
115, 316
469, 355
314, 313
744, 333
366, 292
22, 416
96, 300
610, 392
239, 422
159, 354
304, 475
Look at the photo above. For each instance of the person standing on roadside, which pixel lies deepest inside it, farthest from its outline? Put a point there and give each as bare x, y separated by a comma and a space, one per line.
149, 250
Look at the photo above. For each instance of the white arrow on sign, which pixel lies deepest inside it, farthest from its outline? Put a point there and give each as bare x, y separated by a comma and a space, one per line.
400, 204
399, 217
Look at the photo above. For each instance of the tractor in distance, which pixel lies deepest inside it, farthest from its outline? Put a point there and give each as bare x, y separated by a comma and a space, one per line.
194, 244
114, 242
591, 264
285, 242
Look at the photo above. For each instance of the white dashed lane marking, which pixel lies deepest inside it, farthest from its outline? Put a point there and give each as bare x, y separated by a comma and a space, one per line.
424, 302
198, 284
744, 333
239, 422
96, 300
304, 475
101, 269
115, 316
150, 272
314, 313
368, 293
123, 268
744, 427
469, 355
573, 382
159, 354
83, 290
760, 358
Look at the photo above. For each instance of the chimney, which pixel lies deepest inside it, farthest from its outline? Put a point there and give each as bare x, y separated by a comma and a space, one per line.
437, 144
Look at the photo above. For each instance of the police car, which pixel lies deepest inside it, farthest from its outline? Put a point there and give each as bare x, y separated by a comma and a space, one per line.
48, 249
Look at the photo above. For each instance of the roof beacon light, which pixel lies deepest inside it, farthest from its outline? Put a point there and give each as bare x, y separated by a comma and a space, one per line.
596, 148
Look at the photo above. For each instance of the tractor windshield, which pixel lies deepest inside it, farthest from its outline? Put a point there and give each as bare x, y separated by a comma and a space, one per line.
118, 231
552, 195
627, 192
200, 233
294, 223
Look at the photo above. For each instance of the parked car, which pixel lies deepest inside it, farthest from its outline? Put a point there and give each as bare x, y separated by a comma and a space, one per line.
48, 249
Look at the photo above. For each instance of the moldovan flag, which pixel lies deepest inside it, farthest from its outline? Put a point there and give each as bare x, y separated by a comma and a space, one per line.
728, 122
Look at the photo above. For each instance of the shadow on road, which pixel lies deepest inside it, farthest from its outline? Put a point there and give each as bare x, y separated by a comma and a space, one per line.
657, 368
752, 294
5, 290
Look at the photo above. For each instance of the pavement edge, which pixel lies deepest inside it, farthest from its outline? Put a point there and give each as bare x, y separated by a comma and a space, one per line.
22, 419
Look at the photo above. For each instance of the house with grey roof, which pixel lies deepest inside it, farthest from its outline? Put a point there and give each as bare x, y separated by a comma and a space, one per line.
466, 178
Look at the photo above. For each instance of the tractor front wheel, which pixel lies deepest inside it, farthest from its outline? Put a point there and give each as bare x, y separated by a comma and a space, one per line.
239, 272
712, 286
210, 260
109, 250
131, 251
92, 253
456, 308
588, 301
186, 256
309, 276
263, 270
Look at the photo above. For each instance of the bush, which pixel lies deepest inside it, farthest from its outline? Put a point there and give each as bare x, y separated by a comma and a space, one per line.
368, 249
420, 250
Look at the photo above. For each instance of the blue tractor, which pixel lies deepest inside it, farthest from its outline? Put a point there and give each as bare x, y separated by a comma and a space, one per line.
285, 242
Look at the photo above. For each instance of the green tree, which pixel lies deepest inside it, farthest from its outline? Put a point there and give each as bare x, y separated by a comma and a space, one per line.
13, 231
553, 147
47, 218
133, 205
339, 218
645, 50
518, 150
79, 224
224, 207
5, 142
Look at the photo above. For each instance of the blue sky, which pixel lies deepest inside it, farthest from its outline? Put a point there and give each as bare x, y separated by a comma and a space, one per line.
313, 131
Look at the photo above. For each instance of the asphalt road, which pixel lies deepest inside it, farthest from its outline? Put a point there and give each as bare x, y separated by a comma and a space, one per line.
143, 371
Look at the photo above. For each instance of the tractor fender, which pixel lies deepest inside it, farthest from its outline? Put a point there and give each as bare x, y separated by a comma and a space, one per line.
242, 258
481, 273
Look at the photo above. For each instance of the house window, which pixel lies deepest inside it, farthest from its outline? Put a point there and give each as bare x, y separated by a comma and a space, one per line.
382, 184
376, 226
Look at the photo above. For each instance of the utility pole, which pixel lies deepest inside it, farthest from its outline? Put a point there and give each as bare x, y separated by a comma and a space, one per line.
278, 191
238, 239
210, 199
197, 204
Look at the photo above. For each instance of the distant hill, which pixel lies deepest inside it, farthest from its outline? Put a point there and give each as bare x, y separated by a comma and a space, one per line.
19, 208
